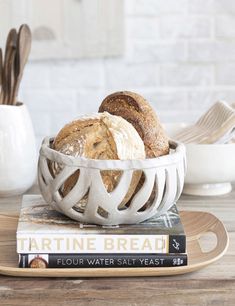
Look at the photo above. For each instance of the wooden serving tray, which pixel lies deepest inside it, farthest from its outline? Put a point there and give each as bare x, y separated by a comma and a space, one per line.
196, 224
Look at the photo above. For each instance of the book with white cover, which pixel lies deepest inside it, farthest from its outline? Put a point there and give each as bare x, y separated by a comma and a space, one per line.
41, 229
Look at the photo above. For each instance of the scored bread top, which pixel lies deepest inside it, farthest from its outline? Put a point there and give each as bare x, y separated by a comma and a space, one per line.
136, 110
100, 136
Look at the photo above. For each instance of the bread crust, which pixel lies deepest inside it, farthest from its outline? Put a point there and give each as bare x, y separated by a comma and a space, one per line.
91, 137
136, 110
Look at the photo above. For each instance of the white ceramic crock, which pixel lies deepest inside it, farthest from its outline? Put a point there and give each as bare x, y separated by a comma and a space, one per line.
18, 158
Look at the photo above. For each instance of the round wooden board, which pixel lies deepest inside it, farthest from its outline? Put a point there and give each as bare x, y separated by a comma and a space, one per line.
196, 224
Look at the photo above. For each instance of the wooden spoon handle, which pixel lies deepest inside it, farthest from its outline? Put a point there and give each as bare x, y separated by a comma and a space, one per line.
11, 77
10, 45
23, 49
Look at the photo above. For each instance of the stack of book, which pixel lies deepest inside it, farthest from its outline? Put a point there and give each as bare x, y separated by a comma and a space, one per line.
48, 239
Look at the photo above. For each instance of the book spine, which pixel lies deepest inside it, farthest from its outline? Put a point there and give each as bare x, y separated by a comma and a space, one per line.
101, 260
100, 243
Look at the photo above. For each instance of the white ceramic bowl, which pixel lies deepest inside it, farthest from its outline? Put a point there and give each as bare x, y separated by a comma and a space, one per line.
163, 175
210, 167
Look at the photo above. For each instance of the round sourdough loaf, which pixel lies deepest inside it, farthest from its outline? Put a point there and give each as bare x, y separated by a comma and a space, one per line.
101, 136
136, 110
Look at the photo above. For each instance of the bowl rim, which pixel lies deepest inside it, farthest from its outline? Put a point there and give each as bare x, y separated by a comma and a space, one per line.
13, 106
174, 157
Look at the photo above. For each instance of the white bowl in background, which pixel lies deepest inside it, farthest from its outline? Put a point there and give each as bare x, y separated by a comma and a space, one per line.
210, 167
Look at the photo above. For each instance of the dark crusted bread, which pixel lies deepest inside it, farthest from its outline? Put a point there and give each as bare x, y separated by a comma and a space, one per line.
136, 110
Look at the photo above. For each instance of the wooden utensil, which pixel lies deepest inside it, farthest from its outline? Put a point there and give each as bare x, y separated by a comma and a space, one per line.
11, 77
22, 53
10, 46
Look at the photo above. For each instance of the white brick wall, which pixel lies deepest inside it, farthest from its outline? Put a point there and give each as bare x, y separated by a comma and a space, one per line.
180, 54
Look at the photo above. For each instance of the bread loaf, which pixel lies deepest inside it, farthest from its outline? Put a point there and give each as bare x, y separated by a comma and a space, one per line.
136, 110
102, 136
